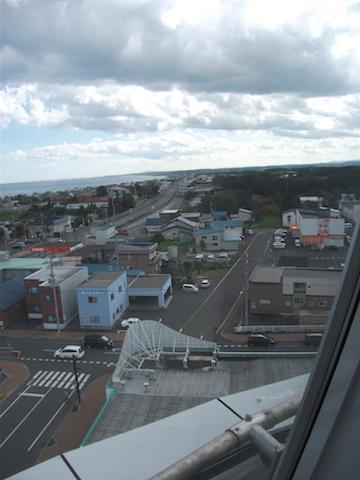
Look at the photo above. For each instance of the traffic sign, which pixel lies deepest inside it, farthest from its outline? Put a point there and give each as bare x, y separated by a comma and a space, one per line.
15, 353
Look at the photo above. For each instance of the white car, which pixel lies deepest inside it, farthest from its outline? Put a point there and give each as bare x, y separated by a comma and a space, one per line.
190, 288
278, 245
129, 321
205, 283
211, 258
199, 257
70, 351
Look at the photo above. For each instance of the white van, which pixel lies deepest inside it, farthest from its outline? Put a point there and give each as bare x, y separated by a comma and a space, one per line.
223, 257
297, 242
189, 288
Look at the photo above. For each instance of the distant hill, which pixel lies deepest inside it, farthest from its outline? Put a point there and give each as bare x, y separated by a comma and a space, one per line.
274, 168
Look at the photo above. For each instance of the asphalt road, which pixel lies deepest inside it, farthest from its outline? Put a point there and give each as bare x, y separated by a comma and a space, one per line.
36, 409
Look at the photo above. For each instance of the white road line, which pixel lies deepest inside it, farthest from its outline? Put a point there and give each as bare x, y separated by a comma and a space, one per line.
23, 420
40, 395
84, 381
13, 403
46, 426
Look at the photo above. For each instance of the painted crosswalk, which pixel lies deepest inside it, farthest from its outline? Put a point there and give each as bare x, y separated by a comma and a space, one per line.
58, 379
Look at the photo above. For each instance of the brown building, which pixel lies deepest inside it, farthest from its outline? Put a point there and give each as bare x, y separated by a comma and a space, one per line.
293, 291
135, 255
51, 295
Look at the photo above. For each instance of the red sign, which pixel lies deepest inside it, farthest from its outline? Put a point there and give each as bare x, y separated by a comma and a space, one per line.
15, 353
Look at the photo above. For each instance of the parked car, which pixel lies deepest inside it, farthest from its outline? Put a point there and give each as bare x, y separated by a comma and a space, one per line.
250, 232
211, 258
199, 257
223, 257
297, 242
279, 239
278, 245
70, 351
280, 232
189, 288
258, 339
97, 341
317, 248
205, 283
19, 245
334, 247
129, 321
312, 339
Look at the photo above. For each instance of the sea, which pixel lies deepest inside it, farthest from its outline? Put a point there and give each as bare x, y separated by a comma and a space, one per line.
29, 188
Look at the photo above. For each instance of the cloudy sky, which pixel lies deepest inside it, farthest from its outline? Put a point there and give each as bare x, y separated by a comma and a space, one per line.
110, 87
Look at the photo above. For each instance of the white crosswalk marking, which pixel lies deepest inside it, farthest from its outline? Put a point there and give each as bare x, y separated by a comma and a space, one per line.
58, 379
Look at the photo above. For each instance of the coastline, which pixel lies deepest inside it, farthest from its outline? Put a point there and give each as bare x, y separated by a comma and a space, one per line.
43, 186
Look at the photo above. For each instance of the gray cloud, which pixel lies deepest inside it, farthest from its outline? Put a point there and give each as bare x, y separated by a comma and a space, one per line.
127, 42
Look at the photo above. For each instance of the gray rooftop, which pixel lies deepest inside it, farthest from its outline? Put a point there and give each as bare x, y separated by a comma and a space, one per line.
174, 391
148, 281
60, 274
102, 278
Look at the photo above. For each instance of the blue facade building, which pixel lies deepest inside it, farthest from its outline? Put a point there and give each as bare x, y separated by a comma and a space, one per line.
102, 299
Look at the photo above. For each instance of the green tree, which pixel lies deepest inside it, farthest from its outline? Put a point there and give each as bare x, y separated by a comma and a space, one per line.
101, 191
158, 238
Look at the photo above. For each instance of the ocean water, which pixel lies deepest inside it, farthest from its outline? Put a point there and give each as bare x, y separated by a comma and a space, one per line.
29, 188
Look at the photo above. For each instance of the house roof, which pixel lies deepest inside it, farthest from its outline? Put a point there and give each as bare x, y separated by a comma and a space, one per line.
154, 221
267, 275
220, 226
102, 278
148, 281
61, 274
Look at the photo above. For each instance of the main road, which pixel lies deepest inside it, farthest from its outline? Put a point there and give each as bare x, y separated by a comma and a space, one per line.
31, 415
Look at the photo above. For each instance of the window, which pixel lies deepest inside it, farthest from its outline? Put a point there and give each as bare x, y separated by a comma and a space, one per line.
51, 318
215, 244
35, 309
113, 315
316, 321
49, 298
33, 290
92, 299
94, 319
112, 296
322, 303
214, 237
265, 302
120, 288
298, 300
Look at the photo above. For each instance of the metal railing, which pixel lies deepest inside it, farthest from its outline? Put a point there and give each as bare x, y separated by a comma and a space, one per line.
252, 428
280, 329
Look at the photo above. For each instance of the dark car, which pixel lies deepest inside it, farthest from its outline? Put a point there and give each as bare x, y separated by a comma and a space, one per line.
97, 341
260, 339
312, 339
334, 247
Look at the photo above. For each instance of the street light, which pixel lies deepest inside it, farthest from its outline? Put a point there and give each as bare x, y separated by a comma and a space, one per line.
76, 379
52, 277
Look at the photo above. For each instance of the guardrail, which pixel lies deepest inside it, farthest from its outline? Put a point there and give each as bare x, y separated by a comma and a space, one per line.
280, 329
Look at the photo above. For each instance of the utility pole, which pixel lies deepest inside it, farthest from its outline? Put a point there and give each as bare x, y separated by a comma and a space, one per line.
246, 290
52, 277
76, 379
116, 245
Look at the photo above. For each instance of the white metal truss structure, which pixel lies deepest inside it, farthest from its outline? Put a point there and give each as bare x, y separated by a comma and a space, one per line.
149, 341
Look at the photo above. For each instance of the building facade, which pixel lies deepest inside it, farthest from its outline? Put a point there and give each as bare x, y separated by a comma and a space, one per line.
102, 299
51, 295
308, 293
